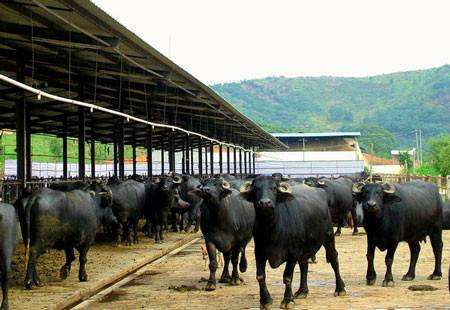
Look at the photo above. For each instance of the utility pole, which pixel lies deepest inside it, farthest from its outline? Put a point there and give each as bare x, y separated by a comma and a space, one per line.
416, 155
420, 145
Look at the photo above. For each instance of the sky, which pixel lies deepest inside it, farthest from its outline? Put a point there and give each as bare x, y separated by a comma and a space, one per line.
233, 40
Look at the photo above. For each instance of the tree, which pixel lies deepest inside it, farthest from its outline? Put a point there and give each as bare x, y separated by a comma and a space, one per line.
440, 154
405, 161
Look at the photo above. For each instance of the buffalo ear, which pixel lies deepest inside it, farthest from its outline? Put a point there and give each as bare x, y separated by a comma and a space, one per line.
357, 190
246, 191
284, 196
225, 192
321, 184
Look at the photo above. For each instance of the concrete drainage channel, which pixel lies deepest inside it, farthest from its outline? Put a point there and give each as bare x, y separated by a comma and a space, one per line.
81, 300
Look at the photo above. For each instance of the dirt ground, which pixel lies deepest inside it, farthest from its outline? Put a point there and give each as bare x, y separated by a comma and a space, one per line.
104, 261
178, 282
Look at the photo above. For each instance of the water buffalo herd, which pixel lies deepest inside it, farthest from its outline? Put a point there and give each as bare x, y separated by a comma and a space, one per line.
289, 220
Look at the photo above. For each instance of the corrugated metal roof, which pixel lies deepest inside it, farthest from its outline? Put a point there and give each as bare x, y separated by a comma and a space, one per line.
316, 134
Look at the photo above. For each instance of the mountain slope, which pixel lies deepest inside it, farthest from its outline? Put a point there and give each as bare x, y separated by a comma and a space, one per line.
398, 102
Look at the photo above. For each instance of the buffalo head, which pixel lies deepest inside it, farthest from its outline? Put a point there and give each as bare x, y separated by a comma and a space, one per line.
373, 196
265, 191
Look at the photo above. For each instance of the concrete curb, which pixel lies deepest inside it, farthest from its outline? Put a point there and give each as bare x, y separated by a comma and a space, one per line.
79, 296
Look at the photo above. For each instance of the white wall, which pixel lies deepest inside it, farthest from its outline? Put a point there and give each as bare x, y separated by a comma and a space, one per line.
386, 169
307, 156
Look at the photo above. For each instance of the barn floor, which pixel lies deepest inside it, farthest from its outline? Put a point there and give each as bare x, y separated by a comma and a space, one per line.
176, 283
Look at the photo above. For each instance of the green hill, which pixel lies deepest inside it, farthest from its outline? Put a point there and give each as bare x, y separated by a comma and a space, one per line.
398, 103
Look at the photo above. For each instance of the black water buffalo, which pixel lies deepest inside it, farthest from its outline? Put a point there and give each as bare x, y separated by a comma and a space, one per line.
227, 223
129, 201
159, 200
8, 242
191, 215
292, 223
63, 221
400, 212
340, 200
446, 215
68, 186
178, 210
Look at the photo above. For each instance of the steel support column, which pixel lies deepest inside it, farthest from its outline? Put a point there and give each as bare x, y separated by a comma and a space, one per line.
200, 164
171, 152
245, 162
254, 161
28, 164
115, 155
206, 159
149, 153
192, 156
20, 124
162, 155
149, 141
134, 158
121, 148
220, 159
64, 148
228, 160
92, 151
211, 157
235, 161
240, 162
187, 155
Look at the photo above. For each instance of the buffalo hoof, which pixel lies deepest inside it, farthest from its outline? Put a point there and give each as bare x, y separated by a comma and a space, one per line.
340, 292
312, 261
28, 285
371, 281
301, 293
64, 272
210, 286
388, 283
266, 306
236, 281
287, 304
226, 279
355, 233
83, 278
337, 234
407, 277
434, 277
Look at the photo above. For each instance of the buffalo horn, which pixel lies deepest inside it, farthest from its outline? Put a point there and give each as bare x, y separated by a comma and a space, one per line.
388, 188
356, 187
225, 184
246, 187
285, 187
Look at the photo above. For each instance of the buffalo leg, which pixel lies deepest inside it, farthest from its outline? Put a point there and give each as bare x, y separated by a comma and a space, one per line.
65, 269
371, 275
135, 232
82, 275
354, 220
225, 277
234, 261
5, 272
210, 247
119, 232
288, 299
303, 289
31, 274
436, 243
243, 261
264, 295
174, 220
414, 249
389, 260
332, 258
338, 230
